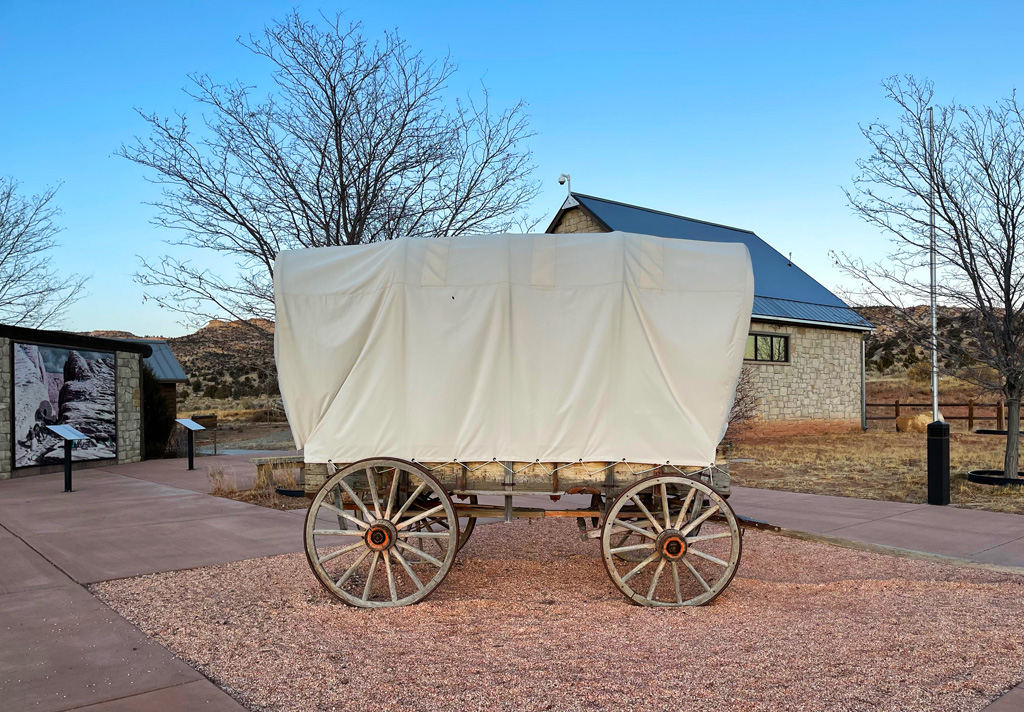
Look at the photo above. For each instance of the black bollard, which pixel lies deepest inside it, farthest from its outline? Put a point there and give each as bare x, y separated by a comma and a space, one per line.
938, 463
191, 449
67, 465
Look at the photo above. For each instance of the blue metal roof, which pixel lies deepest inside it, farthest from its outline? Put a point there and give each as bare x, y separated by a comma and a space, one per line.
782, 290
165, 367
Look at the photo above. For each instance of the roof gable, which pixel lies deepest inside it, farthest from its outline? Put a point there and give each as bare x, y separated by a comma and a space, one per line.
783, 290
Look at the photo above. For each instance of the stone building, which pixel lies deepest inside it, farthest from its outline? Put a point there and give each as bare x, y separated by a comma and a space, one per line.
805, 353
60, 378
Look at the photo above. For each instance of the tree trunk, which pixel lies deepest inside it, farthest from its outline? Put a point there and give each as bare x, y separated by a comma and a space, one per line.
1010, 464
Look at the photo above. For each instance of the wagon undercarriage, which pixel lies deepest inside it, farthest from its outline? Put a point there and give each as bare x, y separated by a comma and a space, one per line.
385, 532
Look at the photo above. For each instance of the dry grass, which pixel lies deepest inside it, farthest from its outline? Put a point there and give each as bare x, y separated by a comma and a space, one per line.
262, 492
872, 465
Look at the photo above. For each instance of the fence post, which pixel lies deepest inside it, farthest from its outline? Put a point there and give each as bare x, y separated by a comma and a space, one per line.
999, 415
970, 415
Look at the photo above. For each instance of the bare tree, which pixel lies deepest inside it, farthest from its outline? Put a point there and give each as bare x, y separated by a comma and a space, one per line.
32, 291
974, 178
746, 405
357, 144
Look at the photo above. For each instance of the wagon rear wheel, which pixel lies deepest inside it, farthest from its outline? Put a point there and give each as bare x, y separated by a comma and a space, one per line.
441, 523
374, 535
670, 541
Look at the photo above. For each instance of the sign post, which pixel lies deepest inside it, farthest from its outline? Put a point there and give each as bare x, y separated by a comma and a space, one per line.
192, 426
69, 435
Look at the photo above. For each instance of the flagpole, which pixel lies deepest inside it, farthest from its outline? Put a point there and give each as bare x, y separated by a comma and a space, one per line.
931, 228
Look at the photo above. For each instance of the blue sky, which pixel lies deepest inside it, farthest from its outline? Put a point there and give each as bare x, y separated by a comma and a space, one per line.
739, 113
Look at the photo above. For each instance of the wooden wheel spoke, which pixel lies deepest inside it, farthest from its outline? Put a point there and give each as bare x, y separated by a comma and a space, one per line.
419, 552
369, 576
345, 515
408, 569
696, 575
664, 505
336, 492
371, 480
654, 579
634, 528
344, 550
392, 493
632, 547
418, 517
408, 502
391, 578
686, 506
640, 566
708, 537
675, 582
336, 532
424, 535
698, 521
647, 513
358, 500
351, 569
709, 557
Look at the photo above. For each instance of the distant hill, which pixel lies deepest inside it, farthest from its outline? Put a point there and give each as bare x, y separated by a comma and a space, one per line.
230, 355
233, 356
891, 349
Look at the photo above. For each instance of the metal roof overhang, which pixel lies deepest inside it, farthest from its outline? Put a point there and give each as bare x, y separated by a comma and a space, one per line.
807, 322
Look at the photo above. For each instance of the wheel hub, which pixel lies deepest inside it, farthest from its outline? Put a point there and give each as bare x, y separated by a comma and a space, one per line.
671, 545
381, 535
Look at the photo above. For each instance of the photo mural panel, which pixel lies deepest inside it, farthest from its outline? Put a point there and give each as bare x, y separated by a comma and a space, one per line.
59, 386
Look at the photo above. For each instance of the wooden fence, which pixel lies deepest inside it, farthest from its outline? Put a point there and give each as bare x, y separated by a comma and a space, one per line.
971, 415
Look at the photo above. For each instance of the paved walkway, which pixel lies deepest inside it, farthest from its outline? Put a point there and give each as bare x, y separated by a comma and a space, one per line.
982, 537
64, 650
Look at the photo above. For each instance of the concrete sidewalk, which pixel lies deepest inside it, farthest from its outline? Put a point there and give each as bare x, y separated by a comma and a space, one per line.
981, 537
63, 649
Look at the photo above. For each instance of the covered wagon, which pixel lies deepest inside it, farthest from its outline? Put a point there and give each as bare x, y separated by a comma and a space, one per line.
431, 382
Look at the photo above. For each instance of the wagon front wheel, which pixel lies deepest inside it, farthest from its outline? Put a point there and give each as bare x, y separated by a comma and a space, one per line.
670, 541
374, 536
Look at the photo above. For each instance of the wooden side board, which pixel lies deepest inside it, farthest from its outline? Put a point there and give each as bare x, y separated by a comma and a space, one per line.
536, 478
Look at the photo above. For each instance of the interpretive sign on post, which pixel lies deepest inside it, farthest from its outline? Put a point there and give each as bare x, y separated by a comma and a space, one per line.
191, 426
69, 435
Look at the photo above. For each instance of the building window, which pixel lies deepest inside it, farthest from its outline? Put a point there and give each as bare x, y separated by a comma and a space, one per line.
773, 348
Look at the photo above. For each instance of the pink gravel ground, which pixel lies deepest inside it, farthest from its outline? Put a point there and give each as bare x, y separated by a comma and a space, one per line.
528, 620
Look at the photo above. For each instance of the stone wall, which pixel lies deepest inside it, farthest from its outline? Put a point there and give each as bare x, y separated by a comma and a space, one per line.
129, 407
577, 220
6, 408
821, 380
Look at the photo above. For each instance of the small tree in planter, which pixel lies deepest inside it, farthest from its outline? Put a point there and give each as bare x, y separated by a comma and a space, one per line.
973, 178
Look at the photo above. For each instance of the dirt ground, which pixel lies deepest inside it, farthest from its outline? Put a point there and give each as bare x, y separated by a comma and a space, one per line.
528, 620
878, 464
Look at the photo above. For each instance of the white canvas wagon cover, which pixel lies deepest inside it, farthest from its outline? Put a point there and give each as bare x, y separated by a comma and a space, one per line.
557, 348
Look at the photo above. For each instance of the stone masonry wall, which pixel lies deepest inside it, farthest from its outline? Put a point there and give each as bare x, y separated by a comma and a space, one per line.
576, 220
6, 455
821, 380
129, 407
